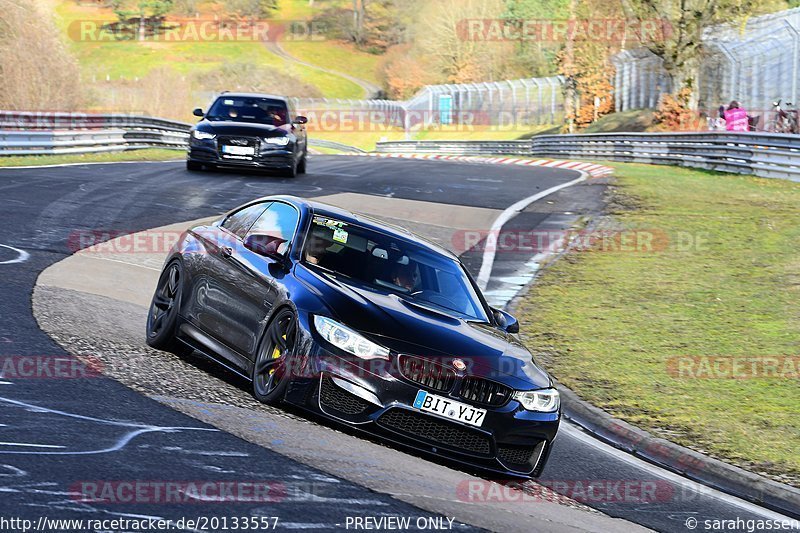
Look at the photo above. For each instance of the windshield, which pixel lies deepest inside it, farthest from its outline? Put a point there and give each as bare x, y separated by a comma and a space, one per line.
380, 261
256, 110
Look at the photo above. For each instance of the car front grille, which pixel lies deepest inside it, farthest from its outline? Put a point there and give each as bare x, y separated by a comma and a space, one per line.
484, 392
519, 458
338, 399
233, 140
427, 373
435, 431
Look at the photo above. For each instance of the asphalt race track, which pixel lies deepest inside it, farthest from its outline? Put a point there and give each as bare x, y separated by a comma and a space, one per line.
58, 433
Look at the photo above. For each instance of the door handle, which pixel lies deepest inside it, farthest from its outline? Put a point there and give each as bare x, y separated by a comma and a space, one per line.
226, 252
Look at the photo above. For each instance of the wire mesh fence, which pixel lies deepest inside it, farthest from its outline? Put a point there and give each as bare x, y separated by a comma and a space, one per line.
757, 64
501, 104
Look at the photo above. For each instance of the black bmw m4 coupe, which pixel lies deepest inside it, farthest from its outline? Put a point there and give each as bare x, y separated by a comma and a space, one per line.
363, 323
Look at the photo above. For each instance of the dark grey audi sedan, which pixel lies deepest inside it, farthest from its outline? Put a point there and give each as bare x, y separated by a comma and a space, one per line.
249, 130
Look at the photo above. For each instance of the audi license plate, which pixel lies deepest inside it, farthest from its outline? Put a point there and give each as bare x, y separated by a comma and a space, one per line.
430, 403
238, 150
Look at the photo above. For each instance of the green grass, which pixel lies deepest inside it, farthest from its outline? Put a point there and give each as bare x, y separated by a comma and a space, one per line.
296, 10
128, 60
149, 154
607, 323
337, 56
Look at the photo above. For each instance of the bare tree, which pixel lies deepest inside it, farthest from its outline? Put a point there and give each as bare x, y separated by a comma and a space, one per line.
37, 71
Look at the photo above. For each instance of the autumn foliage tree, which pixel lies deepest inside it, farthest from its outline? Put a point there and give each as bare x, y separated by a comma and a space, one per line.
674, 112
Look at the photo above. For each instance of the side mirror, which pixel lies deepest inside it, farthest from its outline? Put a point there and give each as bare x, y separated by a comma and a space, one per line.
267, 246
300, 119
198, 112
505, 321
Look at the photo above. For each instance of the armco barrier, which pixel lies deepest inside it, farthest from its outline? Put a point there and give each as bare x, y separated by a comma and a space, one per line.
457, 147
28, 133
762, 154
31, 133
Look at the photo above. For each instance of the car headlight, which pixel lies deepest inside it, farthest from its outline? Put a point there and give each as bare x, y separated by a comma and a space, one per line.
543, 401
203, 135
348, 340
277, 141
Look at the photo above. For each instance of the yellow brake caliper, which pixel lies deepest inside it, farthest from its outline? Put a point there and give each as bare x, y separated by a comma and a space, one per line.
276, 353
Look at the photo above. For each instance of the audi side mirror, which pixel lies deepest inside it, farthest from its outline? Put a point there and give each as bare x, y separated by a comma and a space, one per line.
198, 112
300, 119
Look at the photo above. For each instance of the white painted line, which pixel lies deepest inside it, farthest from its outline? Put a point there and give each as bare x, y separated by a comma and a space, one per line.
491, 239
29, 445
22, 255
89, 163
698, 488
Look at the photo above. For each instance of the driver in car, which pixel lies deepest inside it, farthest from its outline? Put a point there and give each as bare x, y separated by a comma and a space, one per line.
403, 276
316, 249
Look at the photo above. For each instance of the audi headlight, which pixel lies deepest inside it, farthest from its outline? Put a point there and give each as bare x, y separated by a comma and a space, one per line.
543, 401
203, 135
348, 340
277, 141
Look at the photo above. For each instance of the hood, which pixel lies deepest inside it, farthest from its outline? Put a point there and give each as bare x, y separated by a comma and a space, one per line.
411, 328
245, 129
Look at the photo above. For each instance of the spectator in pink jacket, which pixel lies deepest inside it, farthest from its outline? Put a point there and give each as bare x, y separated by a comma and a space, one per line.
736, 118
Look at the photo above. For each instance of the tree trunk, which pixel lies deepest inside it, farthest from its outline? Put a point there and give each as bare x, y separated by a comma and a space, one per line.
571, 98
687, 75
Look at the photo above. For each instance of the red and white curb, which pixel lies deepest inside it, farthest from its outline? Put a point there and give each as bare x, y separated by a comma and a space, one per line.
594, 170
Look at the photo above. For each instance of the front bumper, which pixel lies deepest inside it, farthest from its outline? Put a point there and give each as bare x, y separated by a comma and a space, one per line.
377, 398
207, 152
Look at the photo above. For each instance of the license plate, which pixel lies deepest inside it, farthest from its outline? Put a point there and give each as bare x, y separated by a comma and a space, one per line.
238, 150
430, 403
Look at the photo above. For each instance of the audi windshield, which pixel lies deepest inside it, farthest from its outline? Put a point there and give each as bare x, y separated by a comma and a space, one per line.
249, 109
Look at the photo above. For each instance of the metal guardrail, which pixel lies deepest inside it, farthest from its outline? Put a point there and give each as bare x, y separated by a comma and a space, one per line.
322, 143
29, 133
26, 133
761, 154
457, 147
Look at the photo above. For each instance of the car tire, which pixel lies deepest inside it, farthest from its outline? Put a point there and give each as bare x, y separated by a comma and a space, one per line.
162, 317
271, 369
301, 166
193, 166
291, 172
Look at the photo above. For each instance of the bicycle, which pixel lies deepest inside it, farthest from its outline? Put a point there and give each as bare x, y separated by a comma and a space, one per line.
785, 120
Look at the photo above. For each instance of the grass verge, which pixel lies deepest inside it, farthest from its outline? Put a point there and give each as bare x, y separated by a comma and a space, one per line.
149, 154
615, 326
